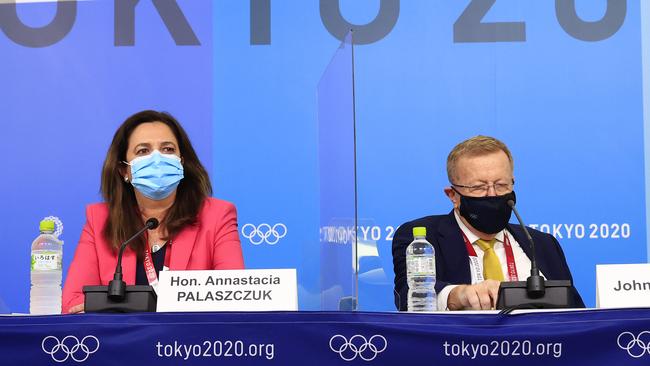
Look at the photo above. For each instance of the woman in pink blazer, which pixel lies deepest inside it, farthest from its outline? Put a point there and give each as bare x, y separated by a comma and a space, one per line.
152, 171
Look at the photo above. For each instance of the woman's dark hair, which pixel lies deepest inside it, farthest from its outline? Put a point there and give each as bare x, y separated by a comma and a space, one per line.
124, 217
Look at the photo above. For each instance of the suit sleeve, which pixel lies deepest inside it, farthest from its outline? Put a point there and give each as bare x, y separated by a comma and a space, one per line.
577, 299
84, 269
227, 253
401, 240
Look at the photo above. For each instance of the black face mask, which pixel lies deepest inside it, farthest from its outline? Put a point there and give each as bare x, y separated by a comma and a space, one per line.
488, 214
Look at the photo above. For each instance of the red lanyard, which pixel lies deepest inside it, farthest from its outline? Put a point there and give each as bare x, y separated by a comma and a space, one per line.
149, 268
510, 257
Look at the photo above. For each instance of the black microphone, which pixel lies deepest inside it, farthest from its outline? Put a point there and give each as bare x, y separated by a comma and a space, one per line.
116, 288
535, 285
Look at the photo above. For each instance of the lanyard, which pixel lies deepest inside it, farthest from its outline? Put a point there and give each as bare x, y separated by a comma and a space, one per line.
149, 268
476, 268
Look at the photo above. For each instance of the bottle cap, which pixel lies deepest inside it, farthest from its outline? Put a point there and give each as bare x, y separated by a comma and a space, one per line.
419, 231
46, 225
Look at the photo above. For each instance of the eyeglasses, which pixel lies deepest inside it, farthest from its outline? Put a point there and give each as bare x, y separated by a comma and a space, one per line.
484, 189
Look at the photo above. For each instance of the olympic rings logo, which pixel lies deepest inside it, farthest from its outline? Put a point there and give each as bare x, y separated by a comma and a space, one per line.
358, 346
70, 347
264, 233
636, 346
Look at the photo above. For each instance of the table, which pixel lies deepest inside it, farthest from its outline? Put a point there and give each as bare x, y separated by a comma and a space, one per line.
590, 337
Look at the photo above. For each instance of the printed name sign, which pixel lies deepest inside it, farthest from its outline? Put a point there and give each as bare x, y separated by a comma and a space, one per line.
228, 290
622, 285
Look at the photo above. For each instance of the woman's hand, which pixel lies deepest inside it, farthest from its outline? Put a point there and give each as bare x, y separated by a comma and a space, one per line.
76, 309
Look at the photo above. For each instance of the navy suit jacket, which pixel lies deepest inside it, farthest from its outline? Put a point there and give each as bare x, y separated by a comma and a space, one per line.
452, 261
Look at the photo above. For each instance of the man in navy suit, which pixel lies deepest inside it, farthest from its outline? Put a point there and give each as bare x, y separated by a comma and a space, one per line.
476, 248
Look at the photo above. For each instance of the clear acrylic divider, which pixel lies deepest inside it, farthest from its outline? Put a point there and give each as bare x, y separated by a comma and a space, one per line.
337, 168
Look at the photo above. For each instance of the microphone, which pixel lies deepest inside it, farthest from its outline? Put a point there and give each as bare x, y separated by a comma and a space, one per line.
535, 292
116, 287
535, 285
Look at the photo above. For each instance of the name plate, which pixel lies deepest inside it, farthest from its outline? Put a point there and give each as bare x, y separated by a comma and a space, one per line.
228, 290
622, 285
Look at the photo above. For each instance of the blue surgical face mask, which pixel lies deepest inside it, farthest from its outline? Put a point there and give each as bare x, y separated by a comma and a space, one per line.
157, 175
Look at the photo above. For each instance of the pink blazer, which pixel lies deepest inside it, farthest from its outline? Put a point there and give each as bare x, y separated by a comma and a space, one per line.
213, 243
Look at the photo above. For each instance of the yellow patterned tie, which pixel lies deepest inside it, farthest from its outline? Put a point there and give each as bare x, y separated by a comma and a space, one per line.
491, 265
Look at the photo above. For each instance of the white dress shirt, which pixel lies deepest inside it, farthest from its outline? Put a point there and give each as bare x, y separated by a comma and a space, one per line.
522, 262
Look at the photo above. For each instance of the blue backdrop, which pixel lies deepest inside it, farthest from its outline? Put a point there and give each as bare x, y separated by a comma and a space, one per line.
561, 82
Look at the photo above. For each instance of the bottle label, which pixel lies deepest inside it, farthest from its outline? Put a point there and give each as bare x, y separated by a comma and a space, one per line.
421, 266
45, 260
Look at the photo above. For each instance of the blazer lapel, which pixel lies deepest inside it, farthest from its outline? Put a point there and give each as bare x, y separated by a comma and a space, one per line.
182, 246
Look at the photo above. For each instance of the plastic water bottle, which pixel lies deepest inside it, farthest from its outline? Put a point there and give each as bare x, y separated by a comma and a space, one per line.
421, 273
47, 253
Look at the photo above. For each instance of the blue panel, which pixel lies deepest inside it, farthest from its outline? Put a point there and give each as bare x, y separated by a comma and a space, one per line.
63, 103
570, 110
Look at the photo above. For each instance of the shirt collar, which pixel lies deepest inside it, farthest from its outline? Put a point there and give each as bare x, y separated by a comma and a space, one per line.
470, 235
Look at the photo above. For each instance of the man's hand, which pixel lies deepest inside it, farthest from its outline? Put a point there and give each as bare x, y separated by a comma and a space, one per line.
482, 296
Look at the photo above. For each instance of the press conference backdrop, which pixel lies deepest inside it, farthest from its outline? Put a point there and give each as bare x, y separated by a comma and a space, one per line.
564, 83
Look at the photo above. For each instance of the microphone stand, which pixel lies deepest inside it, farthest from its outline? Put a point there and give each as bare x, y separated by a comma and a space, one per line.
535, 292
117, 296
117, 287
535, 284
